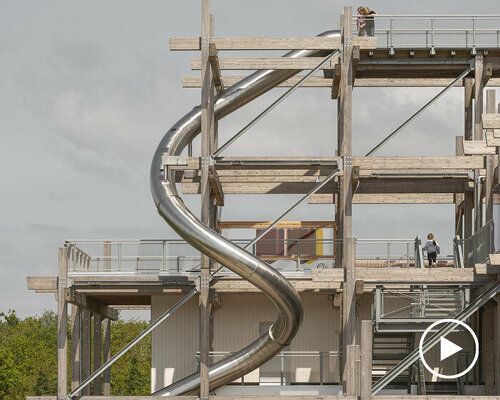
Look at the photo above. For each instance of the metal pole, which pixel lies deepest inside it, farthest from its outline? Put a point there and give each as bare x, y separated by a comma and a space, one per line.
275, 103
462, 75
144, 333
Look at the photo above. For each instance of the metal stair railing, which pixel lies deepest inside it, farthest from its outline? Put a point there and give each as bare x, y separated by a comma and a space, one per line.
434, 339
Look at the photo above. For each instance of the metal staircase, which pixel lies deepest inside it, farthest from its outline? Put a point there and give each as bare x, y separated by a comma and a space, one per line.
388, 350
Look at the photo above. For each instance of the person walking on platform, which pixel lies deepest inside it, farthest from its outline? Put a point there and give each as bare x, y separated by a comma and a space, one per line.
432, 249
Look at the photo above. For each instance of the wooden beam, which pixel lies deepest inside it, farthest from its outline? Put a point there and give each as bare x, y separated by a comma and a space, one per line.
62, 325
270, 43
42, 284
216, 68
491, 120
281, 225
86, 349
97, 349
478, 95
355, 61
215, 185
106, 353
263, 63
75, 347
401, 275
73, 296
336, 82
468, 108
317, 81
366, 360
477, 147
388, 198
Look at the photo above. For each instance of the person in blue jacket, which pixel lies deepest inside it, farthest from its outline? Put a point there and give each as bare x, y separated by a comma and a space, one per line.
432, 249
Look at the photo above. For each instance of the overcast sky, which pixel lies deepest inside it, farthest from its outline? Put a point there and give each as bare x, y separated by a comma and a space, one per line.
88, 88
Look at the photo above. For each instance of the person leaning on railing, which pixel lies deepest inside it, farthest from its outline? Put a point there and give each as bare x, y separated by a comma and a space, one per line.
361, 21
370, 21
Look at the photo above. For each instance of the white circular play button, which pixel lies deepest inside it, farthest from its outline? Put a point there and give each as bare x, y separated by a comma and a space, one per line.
448, 348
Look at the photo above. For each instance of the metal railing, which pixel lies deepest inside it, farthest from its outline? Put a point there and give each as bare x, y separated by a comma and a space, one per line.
479, 246
436, 31
290, 368
290, 256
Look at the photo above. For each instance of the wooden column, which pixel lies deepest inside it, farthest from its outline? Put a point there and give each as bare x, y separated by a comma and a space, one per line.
468, 108
459, 197
468, 207
496, 322
478, 95
62, 325
366, 360
490, 162
97, 352
352, 368
207, 127
345, 151
106, 355
86, 349
488, 348
75, 347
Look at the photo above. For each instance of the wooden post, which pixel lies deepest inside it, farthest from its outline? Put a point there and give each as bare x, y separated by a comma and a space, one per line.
496, 327
345, 151
352, 370
468, 109
468, 206
478, 95
97, 352
490, 162
106, 350
366, 360
459, 197
207, 126
107, 256
75, 347
488, 348
86, 349
62, 325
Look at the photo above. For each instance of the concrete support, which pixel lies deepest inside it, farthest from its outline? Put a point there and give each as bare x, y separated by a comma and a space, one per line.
62, 326
106, 355
75, 347
97, 359
478, 95
366, 360
86, 348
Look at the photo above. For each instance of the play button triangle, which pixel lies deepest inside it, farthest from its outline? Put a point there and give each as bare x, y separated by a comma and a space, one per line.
448, 348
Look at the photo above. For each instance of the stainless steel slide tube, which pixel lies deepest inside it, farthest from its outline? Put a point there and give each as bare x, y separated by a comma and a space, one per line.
260, 274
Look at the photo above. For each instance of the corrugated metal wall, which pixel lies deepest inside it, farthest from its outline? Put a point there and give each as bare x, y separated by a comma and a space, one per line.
236, 324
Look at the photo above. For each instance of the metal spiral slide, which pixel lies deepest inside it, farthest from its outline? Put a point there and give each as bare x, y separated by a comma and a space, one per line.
260, 274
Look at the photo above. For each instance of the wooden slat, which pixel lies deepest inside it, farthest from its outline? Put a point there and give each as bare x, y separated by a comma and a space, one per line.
402, 275
476, 147
491, 139
491, 121
270, 43
389, 198
317, 81
286, 63
280, 225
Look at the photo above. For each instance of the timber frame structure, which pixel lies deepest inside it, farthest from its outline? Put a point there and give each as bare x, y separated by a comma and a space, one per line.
469, 180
